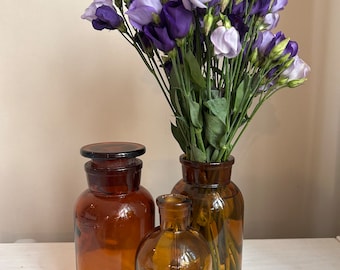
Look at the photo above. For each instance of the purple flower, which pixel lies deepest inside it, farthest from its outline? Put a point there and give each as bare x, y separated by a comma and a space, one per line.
226, 42
278, 5
297, 71
291, 48
141, 12
238, 9
263, 40
260, 7
159, 37
90, 12
107, 18
238, 23
177, 19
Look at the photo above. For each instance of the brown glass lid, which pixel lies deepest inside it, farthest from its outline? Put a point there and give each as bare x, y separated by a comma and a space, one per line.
112, 150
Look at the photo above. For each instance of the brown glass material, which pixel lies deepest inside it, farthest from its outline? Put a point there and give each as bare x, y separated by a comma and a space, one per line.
173, 245
217, 209
114, 214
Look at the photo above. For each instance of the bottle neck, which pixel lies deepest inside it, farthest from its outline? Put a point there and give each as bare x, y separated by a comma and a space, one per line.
113, 177
174, 212
174, 220
206, 174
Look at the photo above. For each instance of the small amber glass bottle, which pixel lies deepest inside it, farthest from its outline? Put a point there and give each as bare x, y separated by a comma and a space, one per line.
114, 214
173, 245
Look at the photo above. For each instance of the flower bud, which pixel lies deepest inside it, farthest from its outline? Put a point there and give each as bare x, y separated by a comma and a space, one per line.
254, 57
122, 28
282, 81
155, 18
288, 61
278, 49
118, 4
226, 22
296, 83
208, 22
224, 4
285, 60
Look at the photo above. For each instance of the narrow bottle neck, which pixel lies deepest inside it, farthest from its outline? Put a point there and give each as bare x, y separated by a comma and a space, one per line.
174, 220
113, 177
174, 212
208, 174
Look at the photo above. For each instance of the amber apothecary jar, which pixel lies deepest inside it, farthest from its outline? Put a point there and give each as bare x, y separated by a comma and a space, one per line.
114, 214
173, 245
217, 209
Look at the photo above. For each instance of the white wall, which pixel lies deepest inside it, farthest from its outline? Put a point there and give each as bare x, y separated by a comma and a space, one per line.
64, 85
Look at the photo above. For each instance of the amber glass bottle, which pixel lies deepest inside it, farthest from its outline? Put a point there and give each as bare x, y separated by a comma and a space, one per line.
115, 212
173, 245
217, 209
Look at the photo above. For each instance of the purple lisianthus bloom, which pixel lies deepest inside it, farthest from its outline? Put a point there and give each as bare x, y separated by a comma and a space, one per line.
192, 4
90, 12
141, 12
239, 24
297, 71
159, 36
238, 9
107, 18
177, 19
260, 7
226, 42
278, 5
291, 48
262, 41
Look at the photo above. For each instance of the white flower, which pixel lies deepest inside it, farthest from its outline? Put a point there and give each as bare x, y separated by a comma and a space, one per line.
297, 72
141, 12
271, 20
90, 12
191, 4
226, 42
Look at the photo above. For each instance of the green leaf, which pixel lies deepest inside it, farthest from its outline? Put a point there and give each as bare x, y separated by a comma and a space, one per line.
239, 96
195, 114
195, 69
173, 79
197, 154
178, 135
215, 129
175, 101
218, 107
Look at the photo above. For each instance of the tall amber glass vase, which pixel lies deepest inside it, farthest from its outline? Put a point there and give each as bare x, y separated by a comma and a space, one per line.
217, 209
115, 212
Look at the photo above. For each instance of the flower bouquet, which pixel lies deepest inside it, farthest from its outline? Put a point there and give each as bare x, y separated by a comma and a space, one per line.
216, 62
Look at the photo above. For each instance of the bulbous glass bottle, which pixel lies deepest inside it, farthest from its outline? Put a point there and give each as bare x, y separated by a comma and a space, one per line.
173, 245
115, 213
